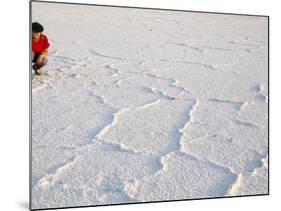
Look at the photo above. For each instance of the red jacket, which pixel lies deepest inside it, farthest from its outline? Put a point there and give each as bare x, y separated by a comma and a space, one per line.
41, 44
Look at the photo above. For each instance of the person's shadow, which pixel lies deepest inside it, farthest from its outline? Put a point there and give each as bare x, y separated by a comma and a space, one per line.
23, 205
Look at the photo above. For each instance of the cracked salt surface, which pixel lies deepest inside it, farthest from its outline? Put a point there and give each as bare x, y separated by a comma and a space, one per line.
138, 108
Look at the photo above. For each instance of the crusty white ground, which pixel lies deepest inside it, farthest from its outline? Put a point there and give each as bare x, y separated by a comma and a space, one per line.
147, 105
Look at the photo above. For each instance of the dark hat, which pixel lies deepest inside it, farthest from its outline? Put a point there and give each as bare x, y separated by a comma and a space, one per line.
37, 27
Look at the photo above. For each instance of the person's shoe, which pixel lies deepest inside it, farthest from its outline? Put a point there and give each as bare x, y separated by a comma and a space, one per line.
38, 72
34, 66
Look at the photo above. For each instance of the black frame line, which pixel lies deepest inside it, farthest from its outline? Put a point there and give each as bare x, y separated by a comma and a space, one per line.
150, 202
30, 106
132, 7
268, 107
149, 8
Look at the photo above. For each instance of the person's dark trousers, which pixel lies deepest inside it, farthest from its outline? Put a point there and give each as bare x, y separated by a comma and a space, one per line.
34, 58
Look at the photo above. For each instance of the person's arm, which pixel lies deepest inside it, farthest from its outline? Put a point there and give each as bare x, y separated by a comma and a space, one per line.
44, 52
42, 55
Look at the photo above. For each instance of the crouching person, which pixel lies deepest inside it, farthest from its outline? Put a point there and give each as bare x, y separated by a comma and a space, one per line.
40, 45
